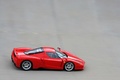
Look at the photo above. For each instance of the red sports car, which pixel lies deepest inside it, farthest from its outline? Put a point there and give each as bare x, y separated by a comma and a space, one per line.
46, 58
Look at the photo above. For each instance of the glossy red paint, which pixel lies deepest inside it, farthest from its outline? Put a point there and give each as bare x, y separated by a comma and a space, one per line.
42, 60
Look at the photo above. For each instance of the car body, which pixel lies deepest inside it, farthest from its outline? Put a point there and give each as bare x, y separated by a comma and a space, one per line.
47, 58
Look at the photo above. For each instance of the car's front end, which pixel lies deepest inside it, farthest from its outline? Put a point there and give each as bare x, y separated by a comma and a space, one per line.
78, 62
79, 65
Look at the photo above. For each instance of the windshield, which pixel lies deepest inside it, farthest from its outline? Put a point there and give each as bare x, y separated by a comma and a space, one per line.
36, 50
61, 55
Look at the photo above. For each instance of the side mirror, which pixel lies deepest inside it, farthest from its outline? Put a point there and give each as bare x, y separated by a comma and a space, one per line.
58, 48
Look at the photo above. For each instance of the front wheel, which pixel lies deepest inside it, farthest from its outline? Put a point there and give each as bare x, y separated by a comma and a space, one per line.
69, 66
26, 65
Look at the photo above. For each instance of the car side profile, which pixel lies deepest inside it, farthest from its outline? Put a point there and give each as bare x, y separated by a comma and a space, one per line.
47, 58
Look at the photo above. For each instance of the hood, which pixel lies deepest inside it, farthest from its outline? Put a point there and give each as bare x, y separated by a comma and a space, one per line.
73, 57
76, 59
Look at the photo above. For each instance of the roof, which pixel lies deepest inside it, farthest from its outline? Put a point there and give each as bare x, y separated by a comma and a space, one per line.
39, 50
48, 49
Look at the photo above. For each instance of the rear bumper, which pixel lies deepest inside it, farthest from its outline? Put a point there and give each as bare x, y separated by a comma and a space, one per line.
15, 60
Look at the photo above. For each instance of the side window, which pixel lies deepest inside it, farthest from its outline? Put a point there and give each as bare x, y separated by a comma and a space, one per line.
52, 55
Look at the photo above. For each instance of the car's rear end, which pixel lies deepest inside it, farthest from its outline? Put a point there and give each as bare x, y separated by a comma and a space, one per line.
16, 55
14, 58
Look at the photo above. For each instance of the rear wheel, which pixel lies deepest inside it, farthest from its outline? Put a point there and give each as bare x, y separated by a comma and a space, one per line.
69, 66
26, 65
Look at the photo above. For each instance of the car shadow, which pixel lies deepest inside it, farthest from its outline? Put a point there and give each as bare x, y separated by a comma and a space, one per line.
42, 69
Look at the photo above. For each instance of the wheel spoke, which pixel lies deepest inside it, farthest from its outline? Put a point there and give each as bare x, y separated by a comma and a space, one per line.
26, 65
69, 66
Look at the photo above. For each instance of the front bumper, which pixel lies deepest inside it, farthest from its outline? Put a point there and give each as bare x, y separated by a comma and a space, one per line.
80, 66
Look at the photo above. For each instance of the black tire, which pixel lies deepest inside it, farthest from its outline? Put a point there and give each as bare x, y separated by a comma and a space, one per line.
69, 66
26, 65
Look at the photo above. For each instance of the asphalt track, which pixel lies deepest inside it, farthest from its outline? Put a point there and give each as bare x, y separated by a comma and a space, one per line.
88, 28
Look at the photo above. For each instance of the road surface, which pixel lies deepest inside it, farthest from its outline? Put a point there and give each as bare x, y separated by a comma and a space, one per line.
88, 28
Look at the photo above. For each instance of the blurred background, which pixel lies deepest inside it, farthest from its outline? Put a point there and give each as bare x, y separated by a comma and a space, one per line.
89, 29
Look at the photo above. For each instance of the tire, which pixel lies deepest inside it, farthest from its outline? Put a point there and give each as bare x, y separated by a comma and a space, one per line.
69, 66
26, 65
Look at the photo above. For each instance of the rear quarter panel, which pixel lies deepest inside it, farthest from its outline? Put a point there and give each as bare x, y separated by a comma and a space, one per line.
34, 58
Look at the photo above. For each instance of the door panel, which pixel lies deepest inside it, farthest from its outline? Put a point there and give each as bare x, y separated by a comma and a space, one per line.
53, 63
